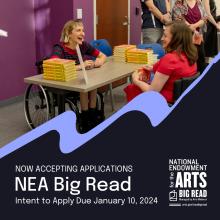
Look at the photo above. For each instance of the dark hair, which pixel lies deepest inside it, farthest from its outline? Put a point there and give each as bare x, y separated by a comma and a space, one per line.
182, 41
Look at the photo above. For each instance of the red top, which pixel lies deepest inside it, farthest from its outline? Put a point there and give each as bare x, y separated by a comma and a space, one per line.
176, 67
88, 52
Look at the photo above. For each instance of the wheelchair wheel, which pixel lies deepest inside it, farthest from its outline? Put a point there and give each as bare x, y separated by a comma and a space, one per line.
38, 105
72, 105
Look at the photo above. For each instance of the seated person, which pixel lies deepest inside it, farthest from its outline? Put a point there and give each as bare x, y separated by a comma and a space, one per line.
179, 61
73, 34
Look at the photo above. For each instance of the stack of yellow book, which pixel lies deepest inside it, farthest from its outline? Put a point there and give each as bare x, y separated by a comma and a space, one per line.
120, 52
59, 69
141, 56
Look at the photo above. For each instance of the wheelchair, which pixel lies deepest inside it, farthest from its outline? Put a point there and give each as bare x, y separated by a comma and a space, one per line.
103, 46
41, 103
181, 85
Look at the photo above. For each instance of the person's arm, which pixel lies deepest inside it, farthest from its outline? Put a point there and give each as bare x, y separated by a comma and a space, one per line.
156, 85
100, 59
156, 12
168, 6
89, 64
196, 25
208, 12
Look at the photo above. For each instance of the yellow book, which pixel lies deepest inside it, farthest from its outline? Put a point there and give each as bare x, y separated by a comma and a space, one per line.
59, 69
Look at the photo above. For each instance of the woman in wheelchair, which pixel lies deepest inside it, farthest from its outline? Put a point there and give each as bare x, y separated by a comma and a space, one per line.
178, 62
73, 34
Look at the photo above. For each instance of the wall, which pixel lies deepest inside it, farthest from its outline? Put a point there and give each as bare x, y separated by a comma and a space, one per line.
87, 8
88, 15
50, 16
18, 50
33, 27
135, 23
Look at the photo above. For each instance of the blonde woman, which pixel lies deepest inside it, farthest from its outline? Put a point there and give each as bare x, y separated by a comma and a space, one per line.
71, 36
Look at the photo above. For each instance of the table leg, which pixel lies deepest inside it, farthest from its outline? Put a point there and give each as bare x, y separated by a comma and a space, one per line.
61, 103
111, 96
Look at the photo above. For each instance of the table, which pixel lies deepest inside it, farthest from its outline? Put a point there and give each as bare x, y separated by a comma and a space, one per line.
111, 71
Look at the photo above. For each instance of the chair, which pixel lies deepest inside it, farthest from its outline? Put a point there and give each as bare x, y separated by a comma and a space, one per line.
103, 46
182, 84
157, 48
41, 103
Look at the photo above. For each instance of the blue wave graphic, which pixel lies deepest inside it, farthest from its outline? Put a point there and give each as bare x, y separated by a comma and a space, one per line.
155, 108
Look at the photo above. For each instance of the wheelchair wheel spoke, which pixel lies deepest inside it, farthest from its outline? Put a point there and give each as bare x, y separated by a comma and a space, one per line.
36, 106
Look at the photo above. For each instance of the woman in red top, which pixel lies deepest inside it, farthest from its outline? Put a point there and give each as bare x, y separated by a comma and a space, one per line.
179, 61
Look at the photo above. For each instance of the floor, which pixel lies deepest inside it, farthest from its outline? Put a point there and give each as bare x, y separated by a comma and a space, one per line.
13, 124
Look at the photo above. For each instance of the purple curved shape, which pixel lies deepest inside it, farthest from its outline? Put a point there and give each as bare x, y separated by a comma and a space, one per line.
155, 108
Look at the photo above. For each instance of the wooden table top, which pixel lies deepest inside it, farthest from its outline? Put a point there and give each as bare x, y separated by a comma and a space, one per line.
111, 71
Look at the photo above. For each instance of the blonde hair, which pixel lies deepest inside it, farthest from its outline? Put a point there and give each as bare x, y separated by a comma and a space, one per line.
68, 28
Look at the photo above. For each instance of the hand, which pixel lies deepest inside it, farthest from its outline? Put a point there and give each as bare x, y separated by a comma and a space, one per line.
166, 18
98, 63
135, 76
148, 67
218, 26
143, 77
192, 27
197, 38
144, 73
196, 33
89, 64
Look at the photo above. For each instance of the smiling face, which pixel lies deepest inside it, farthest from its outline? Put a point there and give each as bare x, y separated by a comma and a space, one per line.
167, 37
77, 35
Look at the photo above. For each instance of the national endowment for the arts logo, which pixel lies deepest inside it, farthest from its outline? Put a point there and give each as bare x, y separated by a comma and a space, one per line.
187, 183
